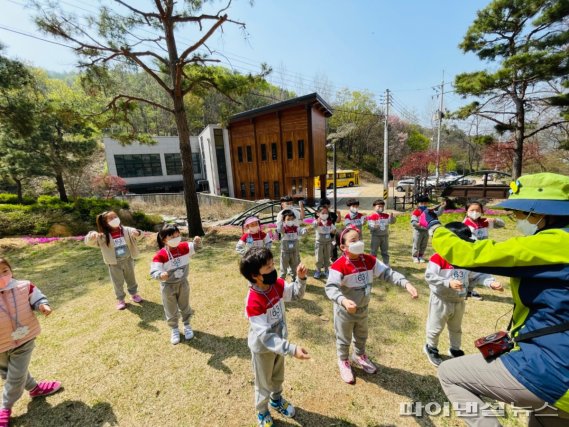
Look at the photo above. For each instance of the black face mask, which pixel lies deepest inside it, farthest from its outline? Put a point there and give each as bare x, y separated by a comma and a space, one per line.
270, 278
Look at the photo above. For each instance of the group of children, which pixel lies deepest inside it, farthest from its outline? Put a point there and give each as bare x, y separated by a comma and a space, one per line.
348, 286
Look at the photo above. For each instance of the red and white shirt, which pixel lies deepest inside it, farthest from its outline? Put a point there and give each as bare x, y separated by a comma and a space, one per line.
480, 226
266, 313
353, 278
259, 239
378, 222
119, 242
357, 220
439, 273
174, 261
324, 229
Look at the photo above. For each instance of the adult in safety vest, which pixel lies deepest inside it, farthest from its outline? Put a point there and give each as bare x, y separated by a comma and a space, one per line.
534, 374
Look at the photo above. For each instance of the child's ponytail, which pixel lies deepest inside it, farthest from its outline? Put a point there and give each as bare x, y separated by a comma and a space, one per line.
103, 227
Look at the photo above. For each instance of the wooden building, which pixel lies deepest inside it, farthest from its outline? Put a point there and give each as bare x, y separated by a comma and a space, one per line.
279, 149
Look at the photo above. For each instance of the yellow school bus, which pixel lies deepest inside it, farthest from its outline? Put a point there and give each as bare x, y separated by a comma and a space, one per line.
344, 178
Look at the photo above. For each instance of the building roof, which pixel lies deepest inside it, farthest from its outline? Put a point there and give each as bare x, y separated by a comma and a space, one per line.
312, 99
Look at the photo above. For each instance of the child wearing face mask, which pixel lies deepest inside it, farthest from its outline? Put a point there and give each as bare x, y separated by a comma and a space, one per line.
354, 218
290, 232
477, 223
324, 231
118, 246
252, 236
479, 226
420, 233
378, 224
171, 266
19, 328
268, 334
349, 287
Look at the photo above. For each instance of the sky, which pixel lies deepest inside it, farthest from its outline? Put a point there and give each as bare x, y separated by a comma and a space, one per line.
372, 45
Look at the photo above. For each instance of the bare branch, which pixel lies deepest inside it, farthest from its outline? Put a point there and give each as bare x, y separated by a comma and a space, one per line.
529, 135
146, 15
201, 41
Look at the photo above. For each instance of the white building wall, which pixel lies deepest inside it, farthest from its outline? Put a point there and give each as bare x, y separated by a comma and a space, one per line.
164, 145
207, 146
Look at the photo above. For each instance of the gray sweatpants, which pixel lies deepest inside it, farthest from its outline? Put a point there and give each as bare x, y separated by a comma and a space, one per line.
176, 297
420, 240
441, 314
380, 242
466, 379
269, 378
350, 328
289, 260
323, 253
123, 271
14, 371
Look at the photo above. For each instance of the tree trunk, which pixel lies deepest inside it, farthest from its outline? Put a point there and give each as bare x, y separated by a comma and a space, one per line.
518, 139
19, 189
61, 187
190, 195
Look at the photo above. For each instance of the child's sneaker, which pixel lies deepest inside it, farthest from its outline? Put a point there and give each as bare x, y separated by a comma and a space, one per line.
137, 298
317, 274
45, 388
282, 407
325, 274
455, 353
346, 371
475, 295
188, 332
5, 417
433, 355
175, 336
264, 420
422, 260
363, 362
416, 260
121, 305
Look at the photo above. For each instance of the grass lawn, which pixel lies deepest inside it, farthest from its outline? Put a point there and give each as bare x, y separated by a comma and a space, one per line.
119, 368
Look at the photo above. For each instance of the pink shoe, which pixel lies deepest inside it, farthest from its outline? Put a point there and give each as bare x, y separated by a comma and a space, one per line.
121, 305
45, 388
346, 371
5, 417
137, 298
363, 362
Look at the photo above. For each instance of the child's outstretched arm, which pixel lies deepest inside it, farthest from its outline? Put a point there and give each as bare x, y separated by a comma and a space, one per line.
37, 298
92, 238
387, 274
392, 219
486, 280
241, 247
295, 290
157, 270
268, 242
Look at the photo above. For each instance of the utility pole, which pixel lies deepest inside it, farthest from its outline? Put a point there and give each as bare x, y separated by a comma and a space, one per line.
386, 149
440, 114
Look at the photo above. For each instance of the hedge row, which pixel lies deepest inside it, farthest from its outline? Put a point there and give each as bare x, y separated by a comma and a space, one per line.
48, 215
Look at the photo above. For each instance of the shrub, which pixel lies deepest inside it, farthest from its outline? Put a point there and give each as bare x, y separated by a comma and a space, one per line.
9, 198
145, 222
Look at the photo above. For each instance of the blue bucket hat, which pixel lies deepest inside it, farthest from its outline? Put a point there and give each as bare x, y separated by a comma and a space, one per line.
540, 193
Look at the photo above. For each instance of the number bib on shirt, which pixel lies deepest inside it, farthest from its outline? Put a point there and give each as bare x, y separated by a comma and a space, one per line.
275, 313
20, 333
120, 246
382, 224
481, 233
459, 275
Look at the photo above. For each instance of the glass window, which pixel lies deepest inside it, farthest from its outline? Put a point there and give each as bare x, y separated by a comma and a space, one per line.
300, 185
174, 163
274, 151
301, 148
240, 154
263, 152
252, 189
276, 190
243, 191
349, 175
294, 186
133, 165
289, 150
196, 164
266, 194
249, 154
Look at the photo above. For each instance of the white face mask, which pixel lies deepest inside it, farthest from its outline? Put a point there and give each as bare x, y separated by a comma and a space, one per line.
474, 215
173, 243
323, 217
353, 209
356, 248
526, 227
114, 222
253, 230
379, 210
290, 223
